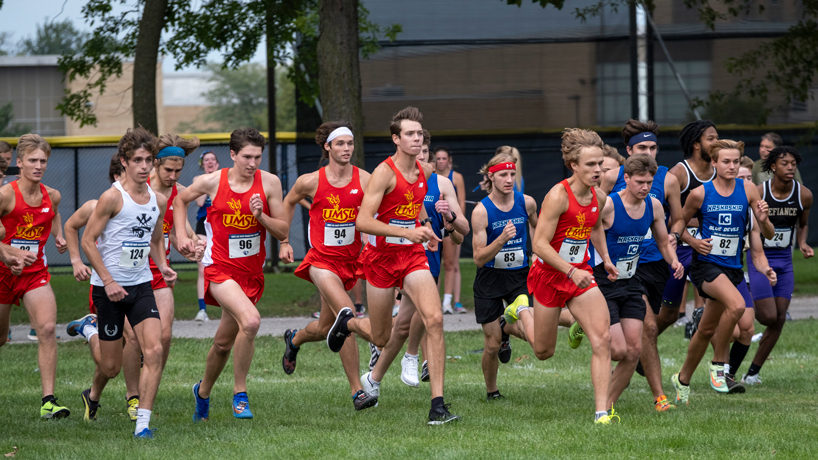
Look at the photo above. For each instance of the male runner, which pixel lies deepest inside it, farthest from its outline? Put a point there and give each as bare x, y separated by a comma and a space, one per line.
723, 205
500, 222
395, 257
336, 191
121, 234
28, 215
641, 138
790, 204
561, 276
630, 217
245, 199
611, 159
769, 141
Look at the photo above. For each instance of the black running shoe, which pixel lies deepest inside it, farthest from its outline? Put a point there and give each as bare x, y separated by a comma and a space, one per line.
505, 344
424, 372
440, 415
639, 369
374, 355
360, 310
361, 400
495, 397
290, 352
733, 387
339, 332
90, 406
697, 317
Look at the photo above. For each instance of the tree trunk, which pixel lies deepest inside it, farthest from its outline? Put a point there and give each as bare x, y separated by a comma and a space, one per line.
271, 111
339, 72
144, 68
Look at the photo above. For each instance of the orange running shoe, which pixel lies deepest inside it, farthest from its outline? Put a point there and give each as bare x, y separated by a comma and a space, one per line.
662, 404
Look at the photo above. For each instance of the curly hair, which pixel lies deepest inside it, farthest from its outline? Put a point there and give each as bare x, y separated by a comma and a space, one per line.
115, 168
609, 151
243, 137
691, 134
574, 140
779, 152
323, 132
135, 139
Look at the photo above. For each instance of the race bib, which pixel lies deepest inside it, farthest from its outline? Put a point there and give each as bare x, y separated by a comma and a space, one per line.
724, 245
244, 245
694, 231
573, 251
339, 234
26, 245
509, 258
781, 239
407, 224
167, 241
627, 267
134, 254
649, 234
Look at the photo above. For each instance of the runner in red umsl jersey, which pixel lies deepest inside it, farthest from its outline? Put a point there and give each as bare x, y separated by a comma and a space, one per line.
245, 199
561, 275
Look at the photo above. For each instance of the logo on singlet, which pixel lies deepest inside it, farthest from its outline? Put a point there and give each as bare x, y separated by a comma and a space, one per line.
337, 213
165, 227
581, 232
409, 210
237, 219
28, 230
142, 226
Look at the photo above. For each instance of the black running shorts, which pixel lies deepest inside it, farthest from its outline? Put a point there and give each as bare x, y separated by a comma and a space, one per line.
705, 272
138, 306
492, 286
624, 297
653, 276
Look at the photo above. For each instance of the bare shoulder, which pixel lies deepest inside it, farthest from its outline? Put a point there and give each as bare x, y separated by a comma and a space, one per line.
806, 196
530, 203
658, 210
601, 197
428, 169
53, 193
479, 213
671, 181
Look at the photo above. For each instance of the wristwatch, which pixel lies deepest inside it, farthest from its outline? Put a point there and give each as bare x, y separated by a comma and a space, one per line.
678, 238
454, 217
425, 221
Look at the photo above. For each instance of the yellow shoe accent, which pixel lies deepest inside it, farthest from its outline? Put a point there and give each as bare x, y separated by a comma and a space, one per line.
133, 405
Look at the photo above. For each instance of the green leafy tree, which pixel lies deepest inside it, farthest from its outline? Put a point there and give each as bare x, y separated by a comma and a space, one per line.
7, 128
4, 40
53, 38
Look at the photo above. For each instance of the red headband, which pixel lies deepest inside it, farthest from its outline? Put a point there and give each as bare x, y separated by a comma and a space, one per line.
502, 167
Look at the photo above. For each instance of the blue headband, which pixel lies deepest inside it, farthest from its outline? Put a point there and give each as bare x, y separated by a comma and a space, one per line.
642, 137
171, 151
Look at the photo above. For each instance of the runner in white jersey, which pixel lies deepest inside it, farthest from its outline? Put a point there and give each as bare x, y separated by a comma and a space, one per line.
120, 236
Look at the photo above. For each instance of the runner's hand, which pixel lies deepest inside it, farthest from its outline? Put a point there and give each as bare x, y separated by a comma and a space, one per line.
671, 241
169, 275
806, 250
771, 275
583, 279
81, 271
115, 292
509, 232
613, 272
432, 246
678, 270
15, 264
185, 246
62, 246
256, 205
285, 252
763, 210
422, 234
27, 257
703, 247
442, 207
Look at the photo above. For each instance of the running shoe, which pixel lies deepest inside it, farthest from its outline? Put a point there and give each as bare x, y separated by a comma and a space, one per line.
717, 378
495, 397
733, 387
661, 404
290, 352
339, 331
756, 337
202, 405
751, 379
32, 335
359, 310
395, 310
133, 405
371, 388
681, 322
374, 355
510, 314
241, 406
75, 328
682, 391
90, 406
505, 344
52, 410
201, 316
788, 317
316, 314
146, 433
607, 419
697, 316
424, 372
447, 310
409, 371
361, 400
458, 308
440, 415
575, 335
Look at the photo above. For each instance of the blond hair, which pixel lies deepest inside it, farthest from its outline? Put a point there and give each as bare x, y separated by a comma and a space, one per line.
725, 144
495, 160
574, 140
175, 140
746, 162
519, 160
29, 143
609, 151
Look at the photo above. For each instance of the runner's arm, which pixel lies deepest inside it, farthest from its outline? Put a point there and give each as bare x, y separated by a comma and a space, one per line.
608, 181
274, 224
206, 184
660, 235
108, 205
305, 186
803, 223
56, 223
606, 217
760, 210
460, 187
692, 205
72, 227
757, 253
674, 203
157, 246
482, 253
447, 192
531, 209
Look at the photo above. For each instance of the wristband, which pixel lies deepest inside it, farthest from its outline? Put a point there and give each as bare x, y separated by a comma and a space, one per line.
678, 238
284, 242
425, 221
571, 272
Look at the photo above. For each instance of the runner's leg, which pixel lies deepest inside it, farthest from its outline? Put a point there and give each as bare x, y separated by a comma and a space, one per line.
332, 290
397, 338
631, 330
131, 361
149, 334
41, 306
240, 333
420, 287
491, 347
591, 310
165, 305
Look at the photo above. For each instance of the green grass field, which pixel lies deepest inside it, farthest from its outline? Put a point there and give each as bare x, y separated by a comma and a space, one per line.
547, 414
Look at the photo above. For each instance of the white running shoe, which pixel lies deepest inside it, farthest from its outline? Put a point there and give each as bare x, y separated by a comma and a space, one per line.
372, 389
201, 316
447, 310
681, 322
409, 371
757, 337
751, 379
395, 309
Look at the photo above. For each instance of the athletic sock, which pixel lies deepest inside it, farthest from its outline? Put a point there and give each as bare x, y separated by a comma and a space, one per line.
754, 369
682, 383
143, 420
88, 331
717, 363
49, 398
493, 394
202, 305
437, 402
447, 300
599, 414
681, 314
737, 353
415, 357
371, 380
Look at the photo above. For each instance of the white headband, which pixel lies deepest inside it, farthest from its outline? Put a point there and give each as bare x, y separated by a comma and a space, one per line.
342, 131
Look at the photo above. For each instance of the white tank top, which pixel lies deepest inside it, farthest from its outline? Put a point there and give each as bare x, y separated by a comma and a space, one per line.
125, 241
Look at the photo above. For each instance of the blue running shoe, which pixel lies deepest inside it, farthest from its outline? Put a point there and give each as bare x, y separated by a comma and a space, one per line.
146, 433
202, 405
75, 327
241, 406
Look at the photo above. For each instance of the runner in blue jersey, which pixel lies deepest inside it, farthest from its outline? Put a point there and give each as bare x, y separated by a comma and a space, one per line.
724, 206
208, 162
500, 222
790, 204
628, 217
641, 139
